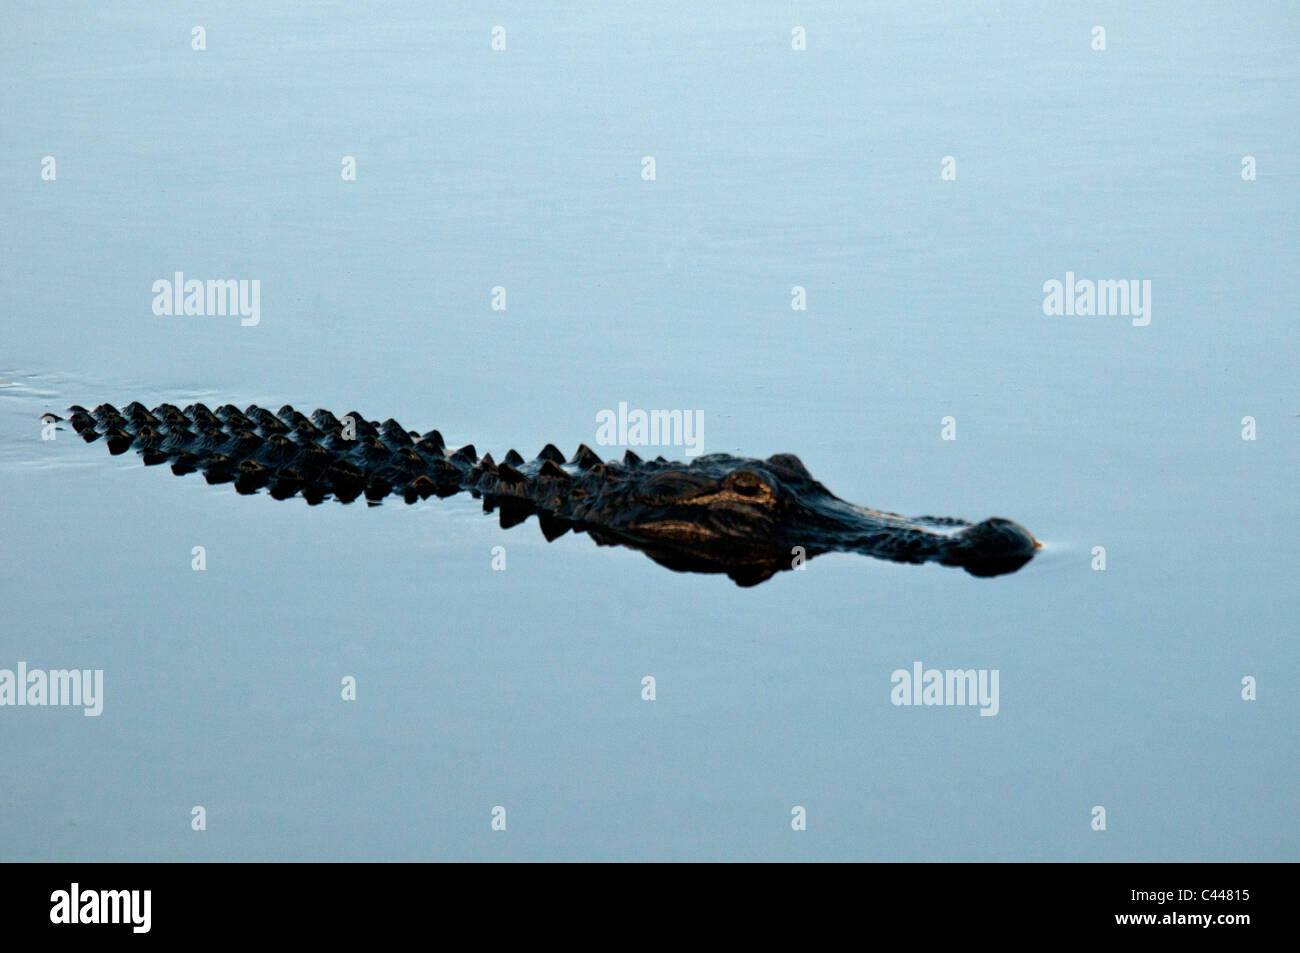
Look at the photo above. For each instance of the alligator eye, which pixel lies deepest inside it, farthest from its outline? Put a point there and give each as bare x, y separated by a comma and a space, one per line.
745, 483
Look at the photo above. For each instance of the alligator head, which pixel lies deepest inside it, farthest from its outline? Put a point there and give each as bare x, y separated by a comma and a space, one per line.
751, 518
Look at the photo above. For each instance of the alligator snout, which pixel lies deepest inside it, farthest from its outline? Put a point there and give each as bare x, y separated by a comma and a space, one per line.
994, 547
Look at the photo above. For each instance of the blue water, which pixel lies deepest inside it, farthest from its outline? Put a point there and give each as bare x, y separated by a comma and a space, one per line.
774, 168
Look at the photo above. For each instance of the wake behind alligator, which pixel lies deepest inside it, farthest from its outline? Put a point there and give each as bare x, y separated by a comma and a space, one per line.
744, 517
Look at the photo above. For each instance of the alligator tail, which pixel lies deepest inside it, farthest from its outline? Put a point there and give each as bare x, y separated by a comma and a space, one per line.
286, 452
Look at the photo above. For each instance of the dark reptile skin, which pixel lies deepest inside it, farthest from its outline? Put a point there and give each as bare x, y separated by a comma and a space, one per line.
745, 517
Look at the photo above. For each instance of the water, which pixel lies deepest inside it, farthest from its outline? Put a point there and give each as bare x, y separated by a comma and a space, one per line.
774, 168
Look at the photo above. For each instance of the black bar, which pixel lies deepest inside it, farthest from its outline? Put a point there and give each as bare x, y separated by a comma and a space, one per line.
331, 902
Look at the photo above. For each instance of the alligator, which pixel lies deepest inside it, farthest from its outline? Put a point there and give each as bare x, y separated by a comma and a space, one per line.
747, 518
